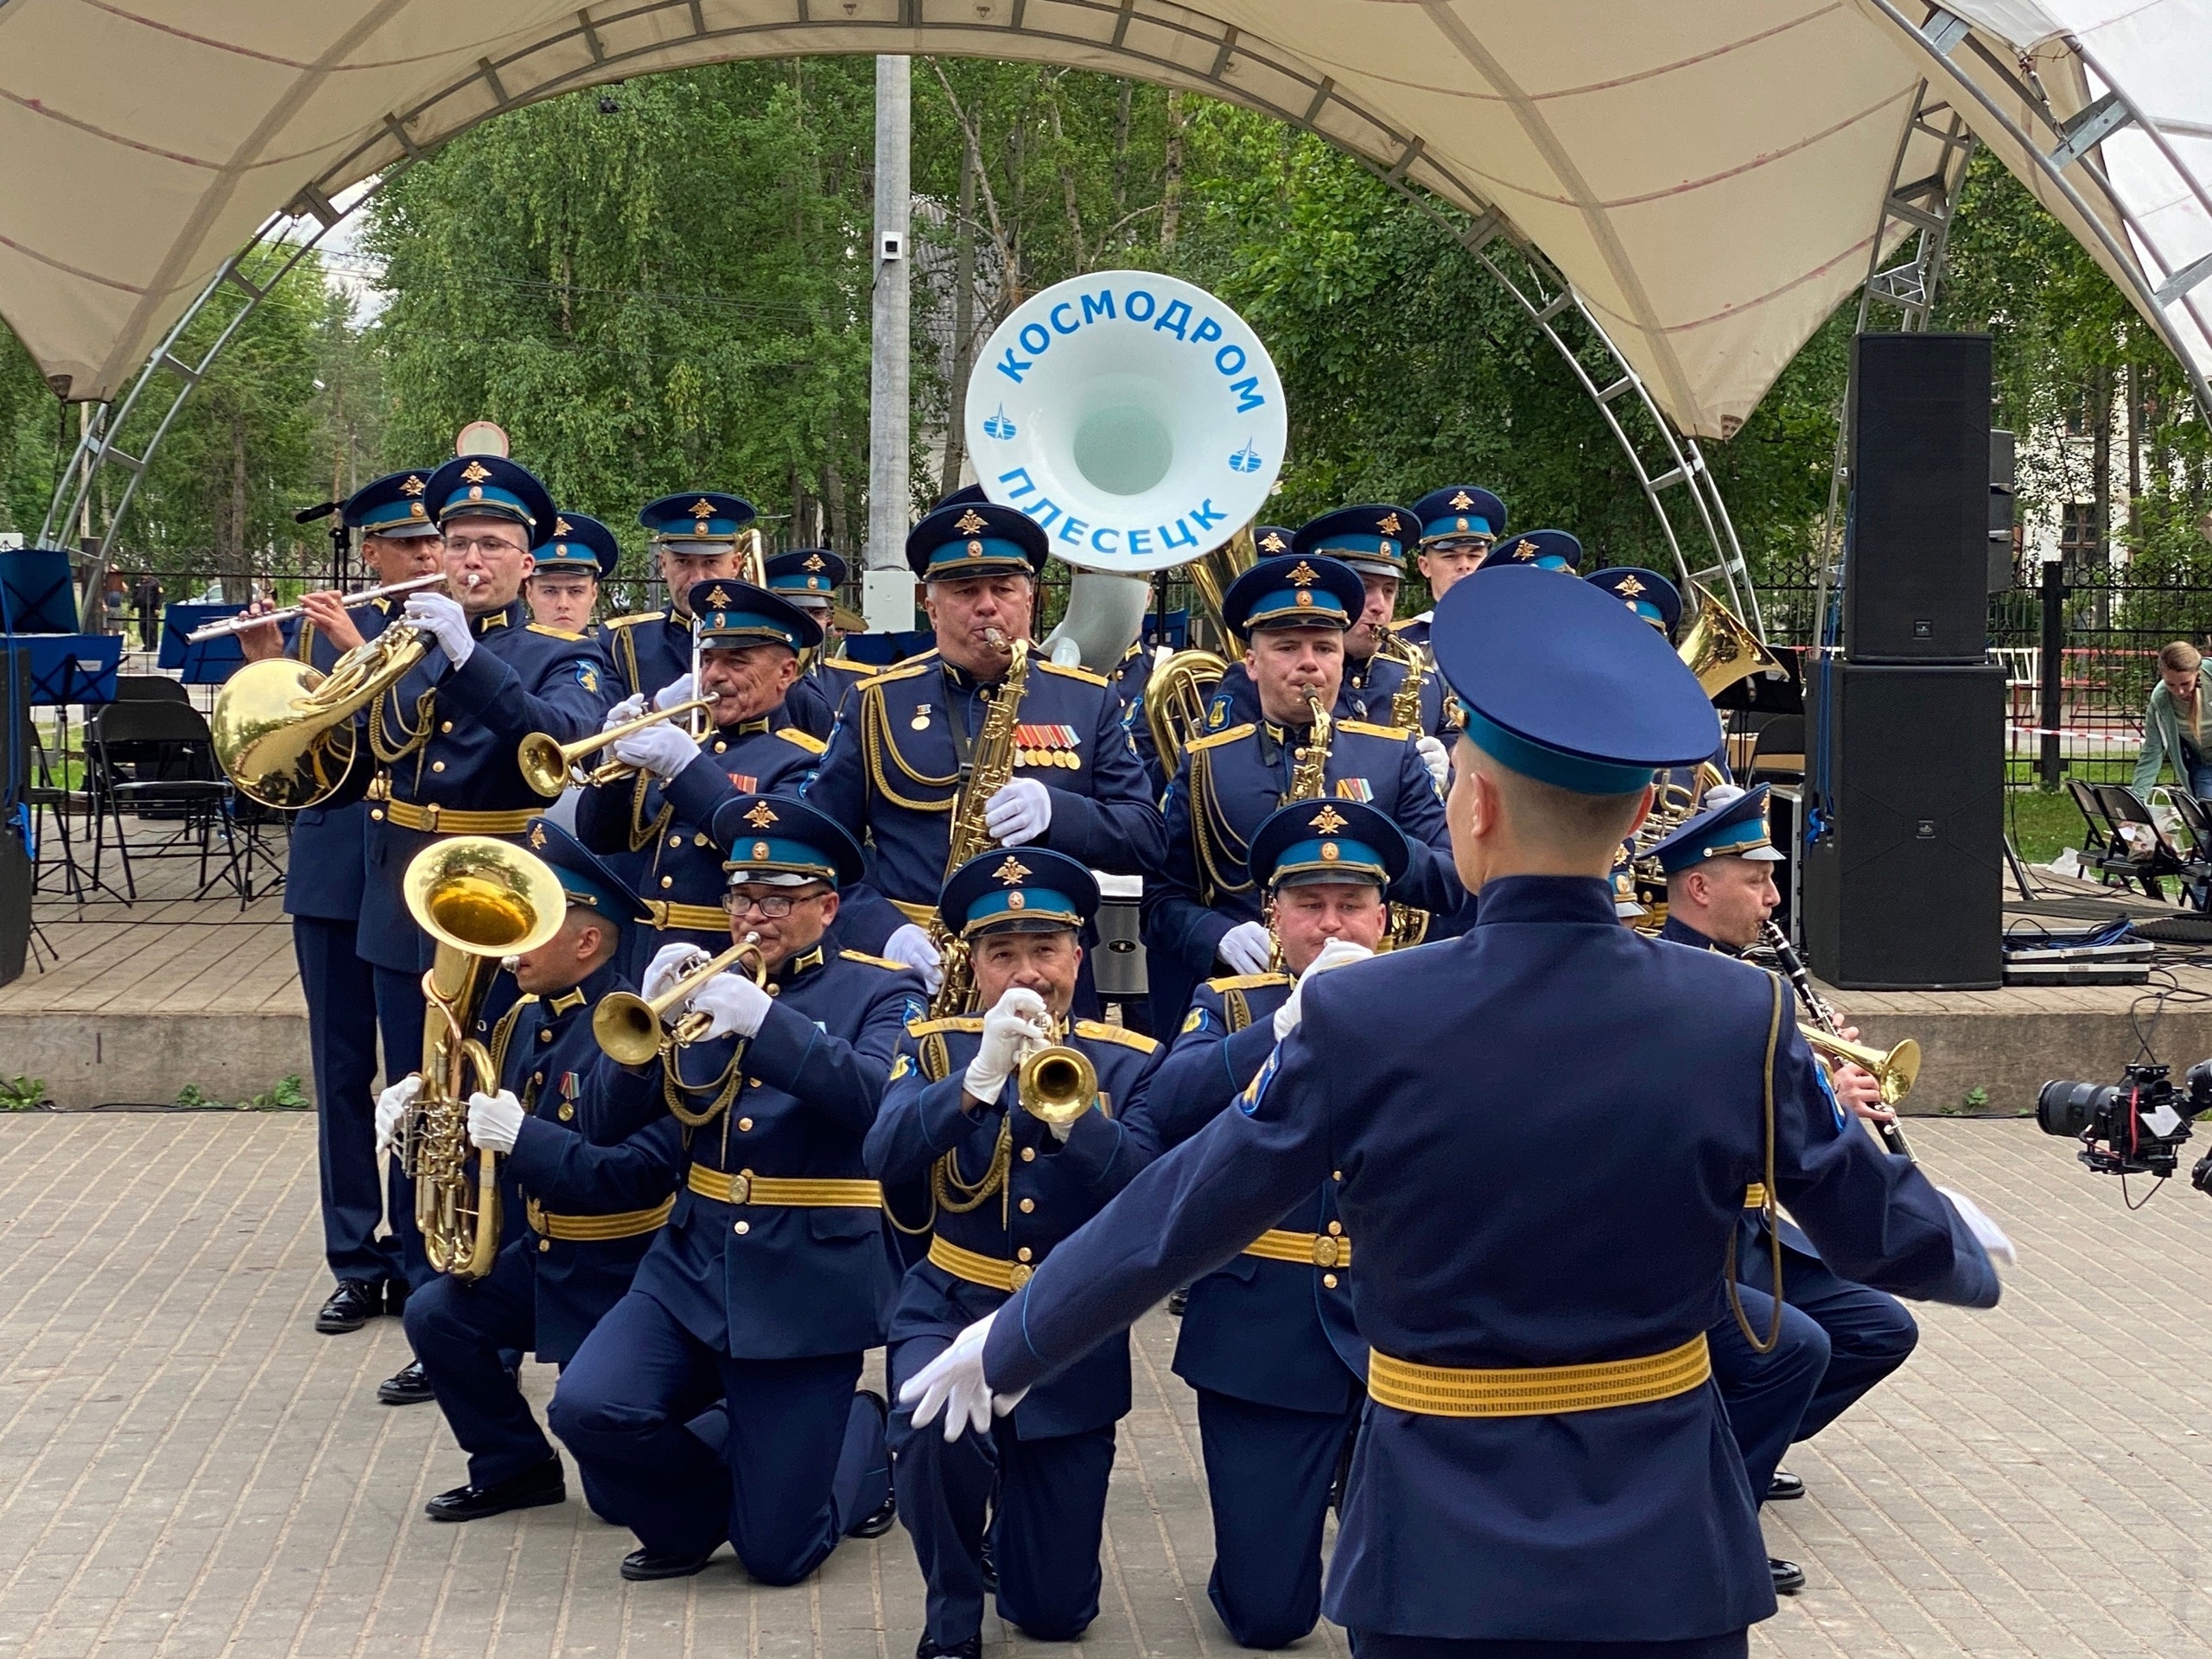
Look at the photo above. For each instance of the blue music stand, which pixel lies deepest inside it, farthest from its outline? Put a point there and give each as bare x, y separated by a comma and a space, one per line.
1170, 628
68, 668
36, 595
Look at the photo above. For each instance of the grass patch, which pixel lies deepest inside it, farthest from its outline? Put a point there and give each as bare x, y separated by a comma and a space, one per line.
22, 1093
288, 1095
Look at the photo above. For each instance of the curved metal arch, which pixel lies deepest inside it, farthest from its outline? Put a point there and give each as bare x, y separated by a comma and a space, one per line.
1550, 302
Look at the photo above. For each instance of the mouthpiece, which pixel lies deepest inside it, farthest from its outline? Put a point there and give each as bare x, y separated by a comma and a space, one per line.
510, 963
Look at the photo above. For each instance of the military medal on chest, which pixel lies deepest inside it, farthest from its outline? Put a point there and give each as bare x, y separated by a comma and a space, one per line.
1046, 746
921, 720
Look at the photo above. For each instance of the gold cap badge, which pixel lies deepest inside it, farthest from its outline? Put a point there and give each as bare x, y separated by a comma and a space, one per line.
537, 834
413, 486
1628, 585
813, 562
762, 815
1328, 821
703, 508
1273, 543
476, 472
1012, 871
1460, 502
969, 521
1525, 550
759, 849
717, 597
1389, 524
1302, 575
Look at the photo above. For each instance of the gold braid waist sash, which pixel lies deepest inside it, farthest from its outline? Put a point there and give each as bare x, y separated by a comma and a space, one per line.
1307, 1250
452, 821
629, 1224
700, 918
1537, 1390
746, 1187
993, 1272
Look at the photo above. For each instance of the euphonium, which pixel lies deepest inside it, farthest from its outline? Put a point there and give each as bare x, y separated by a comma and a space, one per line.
1721, 647
1056, 1082
1176, 694
480, 899
549, 766
283, 730
990, 770
629, 1028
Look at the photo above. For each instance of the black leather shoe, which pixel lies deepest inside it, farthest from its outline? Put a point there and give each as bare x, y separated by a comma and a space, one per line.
971, 1648
990, 1571
1176, 1301
351, 1306
1789, 1577
644, 1566
405, 1387
395, 1297
531, 1489
1784, 1486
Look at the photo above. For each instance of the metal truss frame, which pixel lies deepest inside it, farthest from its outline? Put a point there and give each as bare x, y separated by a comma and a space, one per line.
1669, 466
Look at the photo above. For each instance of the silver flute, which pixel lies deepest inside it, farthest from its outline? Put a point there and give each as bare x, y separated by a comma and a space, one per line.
240, 623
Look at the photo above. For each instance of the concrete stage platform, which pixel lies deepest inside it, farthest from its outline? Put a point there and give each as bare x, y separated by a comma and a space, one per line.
188, 1472
177, 991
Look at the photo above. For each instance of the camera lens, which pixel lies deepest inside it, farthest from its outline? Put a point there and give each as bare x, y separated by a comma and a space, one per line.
2199, 1080
2067, 1108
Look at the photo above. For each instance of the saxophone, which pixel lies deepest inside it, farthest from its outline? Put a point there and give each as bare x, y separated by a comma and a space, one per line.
1408, 926
990, 769
1309, 781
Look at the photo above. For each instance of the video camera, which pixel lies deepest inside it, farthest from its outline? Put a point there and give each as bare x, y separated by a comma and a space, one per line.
2134, 1127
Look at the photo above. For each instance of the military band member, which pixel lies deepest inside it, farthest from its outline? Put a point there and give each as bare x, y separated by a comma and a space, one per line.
1205, 910
750, 644
695, 536
563, 586
1524, 1208
809, 578
1719, 893
905, 737
322, 895
1544, 549
1008, 1188
1460, 524
773, 1275
1648, 594
1268, 1339
595, 1156
1372, 540
443, 744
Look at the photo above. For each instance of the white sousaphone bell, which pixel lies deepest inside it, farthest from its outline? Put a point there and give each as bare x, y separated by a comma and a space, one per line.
1140, 421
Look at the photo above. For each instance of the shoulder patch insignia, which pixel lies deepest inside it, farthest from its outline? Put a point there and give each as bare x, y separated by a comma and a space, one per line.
1195, 1020
807, 741
1214, 740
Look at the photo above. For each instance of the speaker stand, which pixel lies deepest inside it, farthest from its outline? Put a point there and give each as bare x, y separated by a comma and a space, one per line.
2029, 892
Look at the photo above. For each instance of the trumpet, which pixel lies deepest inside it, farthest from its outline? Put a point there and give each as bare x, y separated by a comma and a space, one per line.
1056, 1081
630, 1029
549, 766
239, 624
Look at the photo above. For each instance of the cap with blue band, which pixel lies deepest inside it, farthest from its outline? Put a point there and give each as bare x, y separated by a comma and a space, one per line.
1459, 510
583, 877
1371, 538
1647, 593
732, 614
1735, 826
1293, 592
1027, 889
976, 538
490, 486
701, 522
393, 505
1546, 549
764, 837
578, 543
1326, 839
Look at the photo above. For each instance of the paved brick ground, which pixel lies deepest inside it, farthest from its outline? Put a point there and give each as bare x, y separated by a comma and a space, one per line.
187, 1470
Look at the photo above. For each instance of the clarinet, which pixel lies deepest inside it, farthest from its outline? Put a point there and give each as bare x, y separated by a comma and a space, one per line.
1824, 1016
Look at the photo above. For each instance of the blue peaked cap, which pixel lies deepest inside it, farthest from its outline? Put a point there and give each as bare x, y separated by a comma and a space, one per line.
396, 505
490, 485
1459, 510
578, 541
1737, 828
583, 877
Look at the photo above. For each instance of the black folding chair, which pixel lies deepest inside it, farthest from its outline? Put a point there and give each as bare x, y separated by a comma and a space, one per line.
2196, 830
150, 688
2097, 836
2139, 850
1778, 751
156, 759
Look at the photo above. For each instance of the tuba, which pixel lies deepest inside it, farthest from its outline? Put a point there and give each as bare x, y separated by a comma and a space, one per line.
283, 730
1721, 647
1176, 695
990, 770
480, 898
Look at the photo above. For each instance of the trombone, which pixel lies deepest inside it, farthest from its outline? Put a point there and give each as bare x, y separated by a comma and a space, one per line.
632, 1029
549, 766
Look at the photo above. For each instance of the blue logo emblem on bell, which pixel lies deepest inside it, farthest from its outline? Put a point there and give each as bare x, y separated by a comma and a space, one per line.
1246, 459
997, 425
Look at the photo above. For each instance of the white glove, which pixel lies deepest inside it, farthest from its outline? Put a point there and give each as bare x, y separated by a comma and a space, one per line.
444, 620
1245, 948
669, 964
1335, 954
391, 1106
663, 750
1986, 1233
1435, 758
494, 1121
1008, 1028
677, 691
910, 944
1019, 813
623, 713
735, 1005
955, 1378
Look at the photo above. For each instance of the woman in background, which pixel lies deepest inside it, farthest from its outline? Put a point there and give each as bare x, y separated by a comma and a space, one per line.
2173, 724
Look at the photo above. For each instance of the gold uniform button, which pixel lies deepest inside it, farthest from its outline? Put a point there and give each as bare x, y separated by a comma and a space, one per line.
437, 766
1337, 1227
445, 725
744, 1124
742, 1228
378, 814
1028, 1205
537, 1077
668, 881
754, 1082
698, 841
1022, 1254
1029, 1154
545, 1036
566, 1111
719, 745
1329, 1279
1336, 1174
675, 841
544, 1245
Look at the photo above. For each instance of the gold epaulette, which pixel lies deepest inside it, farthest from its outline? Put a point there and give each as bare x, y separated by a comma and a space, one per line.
875, 961
1084, 674
553, 633
1246, 982
905, 670
1099, 1031
1369, 729
633, 620
973, 1022
1214, 740
849, 665
1403, 623
802, 739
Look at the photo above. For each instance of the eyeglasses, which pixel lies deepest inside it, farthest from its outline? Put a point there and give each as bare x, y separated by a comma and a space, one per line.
484, 546
774, 906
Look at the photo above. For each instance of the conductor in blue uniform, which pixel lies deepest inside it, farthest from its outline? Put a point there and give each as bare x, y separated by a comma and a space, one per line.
1266, 1339
1544, 1460
322, 895
1719, 893
594, 1155
774, 1274
1008, 1187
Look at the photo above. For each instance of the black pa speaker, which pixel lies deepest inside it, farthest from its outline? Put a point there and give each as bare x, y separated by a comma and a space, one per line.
1916, 579
1904, 890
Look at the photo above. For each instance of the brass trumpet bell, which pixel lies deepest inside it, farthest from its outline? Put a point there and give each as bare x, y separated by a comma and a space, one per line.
1895, 1070
631, 1029
548, 765
1721, 648
1056, 1083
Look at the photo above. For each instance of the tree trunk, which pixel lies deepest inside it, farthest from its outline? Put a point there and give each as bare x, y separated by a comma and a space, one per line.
1171, 177
2100, 561
833, 497
964, 321
229, 525
2136, 401
1122, 147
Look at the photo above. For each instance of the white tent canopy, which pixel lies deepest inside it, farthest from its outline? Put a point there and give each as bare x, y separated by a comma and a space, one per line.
1709, 176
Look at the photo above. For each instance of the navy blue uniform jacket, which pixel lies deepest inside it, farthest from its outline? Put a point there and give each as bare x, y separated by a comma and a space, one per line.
1278, 1333
1520, 1194
777, 1281
325, 871
596, 1141
1051, 1190
647, 650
